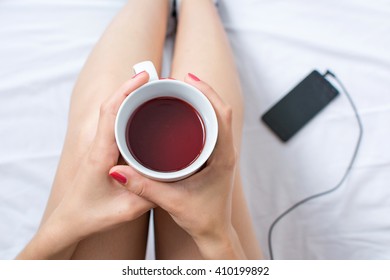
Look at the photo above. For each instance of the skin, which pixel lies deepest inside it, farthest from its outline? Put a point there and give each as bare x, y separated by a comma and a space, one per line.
96, 202
202, 47
136, 34
201, 204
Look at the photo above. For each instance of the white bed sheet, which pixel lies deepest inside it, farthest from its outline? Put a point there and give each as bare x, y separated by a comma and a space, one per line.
276, 43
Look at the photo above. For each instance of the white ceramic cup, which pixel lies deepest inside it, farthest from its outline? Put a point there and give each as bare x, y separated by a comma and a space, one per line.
156, 88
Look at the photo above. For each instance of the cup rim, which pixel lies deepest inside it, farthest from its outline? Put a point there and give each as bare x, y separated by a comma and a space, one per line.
211, 131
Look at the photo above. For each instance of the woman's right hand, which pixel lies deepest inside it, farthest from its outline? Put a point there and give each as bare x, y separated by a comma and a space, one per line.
94, 201
200, 204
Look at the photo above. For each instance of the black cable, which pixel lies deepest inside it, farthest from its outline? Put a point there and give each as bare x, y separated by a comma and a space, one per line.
351, 163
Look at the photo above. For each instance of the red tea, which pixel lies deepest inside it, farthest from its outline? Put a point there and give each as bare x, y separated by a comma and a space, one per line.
165, 134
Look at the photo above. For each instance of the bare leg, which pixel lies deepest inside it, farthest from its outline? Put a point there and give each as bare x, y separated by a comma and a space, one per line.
202, 48
137, 33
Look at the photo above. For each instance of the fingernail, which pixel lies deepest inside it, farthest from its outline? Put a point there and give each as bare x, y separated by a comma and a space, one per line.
138, 74
195, 78
119, 177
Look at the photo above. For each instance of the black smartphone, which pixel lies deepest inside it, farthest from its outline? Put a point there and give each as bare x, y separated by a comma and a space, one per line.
299, 106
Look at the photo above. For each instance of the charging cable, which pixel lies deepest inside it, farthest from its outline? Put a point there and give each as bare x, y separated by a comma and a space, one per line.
339, 184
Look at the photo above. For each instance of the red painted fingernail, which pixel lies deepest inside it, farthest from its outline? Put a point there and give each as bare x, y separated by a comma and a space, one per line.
195, 78
119, 177
138, 74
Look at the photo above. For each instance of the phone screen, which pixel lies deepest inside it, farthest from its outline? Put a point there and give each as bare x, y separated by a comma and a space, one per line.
299, 106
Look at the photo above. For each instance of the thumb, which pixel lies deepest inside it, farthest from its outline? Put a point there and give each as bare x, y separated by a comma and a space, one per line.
163, 194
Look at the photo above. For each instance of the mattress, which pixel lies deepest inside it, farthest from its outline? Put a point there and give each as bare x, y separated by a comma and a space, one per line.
45, 43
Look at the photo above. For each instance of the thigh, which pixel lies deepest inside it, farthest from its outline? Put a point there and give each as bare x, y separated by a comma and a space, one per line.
202, 48
137, 33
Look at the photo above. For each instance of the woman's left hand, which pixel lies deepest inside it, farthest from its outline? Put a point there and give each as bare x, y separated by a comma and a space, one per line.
202, 203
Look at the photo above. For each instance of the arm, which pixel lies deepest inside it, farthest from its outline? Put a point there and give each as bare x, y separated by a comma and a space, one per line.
56, 239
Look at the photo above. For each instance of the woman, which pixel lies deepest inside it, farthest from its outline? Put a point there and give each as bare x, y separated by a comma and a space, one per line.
99, 209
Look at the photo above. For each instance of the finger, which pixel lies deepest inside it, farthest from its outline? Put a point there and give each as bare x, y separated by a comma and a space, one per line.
162, 194
105, 136
206, 89
224, 149
128, 87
